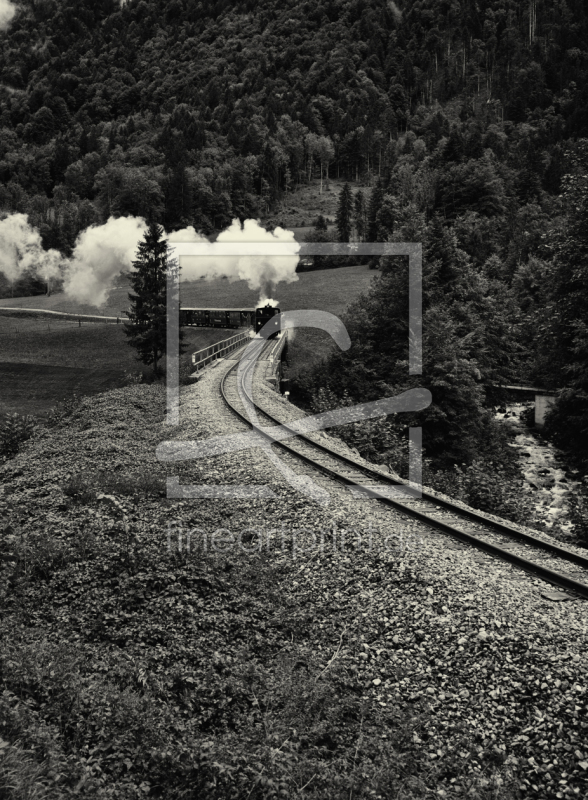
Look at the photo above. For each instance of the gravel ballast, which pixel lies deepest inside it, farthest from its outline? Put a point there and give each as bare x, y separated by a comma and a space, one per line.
496, 673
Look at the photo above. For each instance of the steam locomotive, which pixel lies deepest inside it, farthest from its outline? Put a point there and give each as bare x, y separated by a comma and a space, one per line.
254, 318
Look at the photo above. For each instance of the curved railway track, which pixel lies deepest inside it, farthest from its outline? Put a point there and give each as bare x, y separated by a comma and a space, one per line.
566, 570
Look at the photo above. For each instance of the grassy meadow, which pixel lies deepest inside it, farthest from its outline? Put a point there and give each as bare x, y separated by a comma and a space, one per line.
44, 361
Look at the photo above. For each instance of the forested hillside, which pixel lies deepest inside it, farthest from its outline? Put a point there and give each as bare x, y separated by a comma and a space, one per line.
195, 112
460, 122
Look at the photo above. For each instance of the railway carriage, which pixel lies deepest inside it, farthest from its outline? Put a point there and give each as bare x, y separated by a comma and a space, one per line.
218, 317
254, 318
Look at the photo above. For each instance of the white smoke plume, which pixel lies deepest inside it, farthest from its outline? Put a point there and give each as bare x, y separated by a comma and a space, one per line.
7, 12
262, 273
102, 252
185, 235
21, 250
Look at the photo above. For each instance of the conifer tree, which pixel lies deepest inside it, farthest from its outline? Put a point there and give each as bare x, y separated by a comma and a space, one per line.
147, 326
320, 223
375, 203
344, 212
359, 215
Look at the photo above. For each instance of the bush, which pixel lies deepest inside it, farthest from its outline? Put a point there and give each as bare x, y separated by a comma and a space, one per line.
63, 411
483, 485
83, 488
14, 430
133, 378
578, 515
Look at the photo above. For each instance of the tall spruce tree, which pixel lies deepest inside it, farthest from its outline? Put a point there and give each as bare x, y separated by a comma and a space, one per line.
147, 326
374, 205
359, 215
344, 214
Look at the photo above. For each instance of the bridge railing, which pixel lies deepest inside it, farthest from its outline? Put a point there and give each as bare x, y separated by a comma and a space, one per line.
203, 357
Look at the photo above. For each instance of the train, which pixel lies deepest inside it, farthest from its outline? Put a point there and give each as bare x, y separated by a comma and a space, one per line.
254, 318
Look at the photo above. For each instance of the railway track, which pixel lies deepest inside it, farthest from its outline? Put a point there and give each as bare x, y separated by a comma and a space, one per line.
543, 559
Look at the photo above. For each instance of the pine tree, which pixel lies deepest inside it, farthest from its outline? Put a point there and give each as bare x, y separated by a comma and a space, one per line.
375, 203
359, 215
344, 212
320, 223
147, 326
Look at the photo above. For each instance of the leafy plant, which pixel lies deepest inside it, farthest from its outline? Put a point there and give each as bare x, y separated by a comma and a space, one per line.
14, 430
578, 515
63, 411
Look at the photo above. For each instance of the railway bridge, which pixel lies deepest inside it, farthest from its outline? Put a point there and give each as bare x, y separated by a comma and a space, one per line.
543, 399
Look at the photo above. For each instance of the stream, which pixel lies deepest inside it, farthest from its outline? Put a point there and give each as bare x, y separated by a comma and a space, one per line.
547, 477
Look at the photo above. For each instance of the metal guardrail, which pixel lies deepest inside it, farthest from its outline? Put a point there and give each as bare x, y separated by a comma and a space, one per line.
274, 359
203, 357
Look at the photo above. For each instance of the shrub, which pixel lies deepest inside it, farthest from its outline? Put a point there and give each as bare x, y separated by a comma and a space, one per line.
485, 486
14, 430
83, 488
186, 369
133, 378
578, 515
63, 411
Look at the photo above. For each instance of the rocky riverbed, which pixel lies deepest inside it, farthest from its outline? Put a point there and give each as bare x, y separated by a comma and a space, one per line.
547, 477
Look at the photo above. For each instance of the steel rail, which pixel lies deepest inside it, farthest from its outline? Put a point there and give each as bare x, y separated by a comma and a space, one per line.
549, 575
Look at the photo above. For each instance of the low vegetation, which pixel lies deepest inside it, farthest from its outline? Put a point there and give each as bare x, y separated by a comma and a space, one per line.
132, 666
14, 430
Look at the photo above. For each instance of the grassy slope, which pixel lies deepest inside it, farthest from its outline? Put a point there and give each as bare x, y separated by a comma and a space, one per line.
45, 362
114, 306
299, 209
328, 290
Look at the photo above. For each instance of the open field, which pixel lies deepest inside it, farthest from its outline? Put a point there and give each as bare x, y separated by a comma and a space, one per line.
45, 362
36, 388
328, 290
114, 307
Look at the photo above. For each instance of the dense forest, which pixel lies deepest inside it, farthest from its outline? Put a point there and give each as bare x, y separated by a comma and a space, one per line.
458, 123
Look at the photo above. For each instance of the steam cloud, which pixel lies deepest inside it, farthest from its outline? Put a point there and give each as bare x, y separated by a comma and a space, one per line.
262, 273
102, 252
7, 12
21, 250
